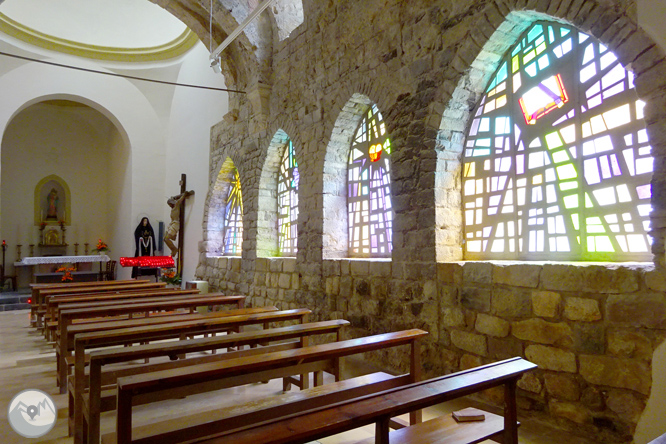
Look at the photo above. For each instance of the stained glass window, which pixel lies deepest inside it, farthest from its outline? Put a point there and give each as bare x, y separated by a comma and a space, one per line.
233, 217
288, 202
369, 189
557, 162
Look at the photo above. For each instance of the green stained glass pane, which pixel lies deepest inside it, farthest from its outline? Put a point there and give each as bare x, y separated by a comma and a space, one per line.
529, 56
540, 48
571, 185
553, 141
571, 201
564, 31
575, 222
567, 171
502, 73
551, 34
515, 64
560, 156
588, 201
531, 69
517, 49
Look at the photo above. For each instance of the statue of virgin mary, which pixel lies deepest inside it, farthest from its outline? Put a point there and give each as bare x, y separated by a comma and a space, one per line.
144, 241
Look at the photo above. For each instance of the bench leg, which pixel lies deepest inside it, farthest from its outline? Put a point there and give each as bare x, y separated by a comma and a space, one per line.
382, 431
124, 418
510, 413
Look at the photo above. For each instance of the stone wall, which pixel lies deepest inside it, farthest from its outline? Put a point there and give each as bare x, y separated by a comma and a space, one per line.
590, 328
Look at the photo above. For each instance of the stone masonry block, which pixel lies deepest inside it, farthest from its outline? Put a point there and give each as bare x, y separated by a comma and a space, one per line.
629, 344
546, 303
543, 332
453, 317
582, 309
570, 411
470, 342
492, 326
289, 264
588, 278
511, 303
616, 372
637, 310
380, 268
477, 272
656, 280
551, 358
360, 268
477, 299
449, 273
562, 386
519, 275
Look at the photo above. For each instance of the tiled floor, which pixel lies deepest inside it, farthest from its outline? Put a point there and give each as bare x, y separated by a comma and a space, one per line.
27, 361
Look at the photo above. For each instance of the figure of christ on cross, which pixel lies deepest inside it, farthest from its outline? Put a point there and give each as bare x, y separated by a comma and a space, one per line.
176, 203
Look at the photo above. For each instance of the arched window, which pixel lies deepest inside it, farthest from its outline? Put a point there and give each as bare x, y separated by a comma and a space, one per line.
233, 217
557, 162
369, 189
287, 197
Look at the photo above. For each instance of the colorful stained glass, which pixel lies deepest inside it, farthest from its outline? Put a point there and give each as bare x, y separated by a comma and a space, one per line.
287, 196
567, 174
233, 217
369, 189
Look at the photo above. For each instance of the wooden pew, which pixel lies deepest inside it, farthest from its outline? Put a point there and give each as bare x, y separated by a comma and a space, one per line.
37, 288
214, 376
170, 318
55, 304
44, 294
64, 346
379, 408
95, 401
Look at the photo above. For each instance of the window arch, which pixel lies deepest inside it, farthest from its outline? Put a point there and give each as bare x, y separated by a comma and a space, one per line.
557, 161
369, 188
233, 215
287, 201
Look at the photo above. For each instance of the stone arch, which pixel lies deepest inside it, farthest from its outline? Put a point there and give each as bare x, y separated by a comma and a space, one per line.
267, 217
494, 33
214, 222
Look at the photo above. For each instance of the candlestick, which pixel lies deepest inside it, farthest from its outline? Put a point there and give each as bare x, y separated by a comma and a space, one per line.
85, 251
32, 250
18, 252
76, 249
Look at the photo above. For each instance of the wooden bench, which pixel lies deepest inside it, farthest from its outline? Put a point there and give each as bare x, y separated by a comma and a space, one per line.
180, 429
64, 345
68, 303
379, 408
45, 294
97, 401
214, 376
123, 325
37, 288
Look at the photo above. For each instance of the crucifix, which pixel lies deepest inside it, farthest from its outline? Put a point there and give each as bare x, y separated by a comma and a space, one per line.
177, 222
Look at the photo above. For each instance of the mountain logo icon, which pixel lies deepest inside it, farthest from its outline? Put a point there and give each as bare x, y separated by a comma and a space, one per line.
32, 413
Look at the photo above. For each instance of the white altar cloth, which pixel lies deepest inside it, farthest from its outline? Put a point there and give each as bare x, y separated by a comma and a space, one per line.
63, 259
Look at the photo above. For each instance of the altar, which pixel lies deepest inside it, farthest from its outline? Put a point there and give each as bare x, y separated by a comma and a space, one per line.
42, 269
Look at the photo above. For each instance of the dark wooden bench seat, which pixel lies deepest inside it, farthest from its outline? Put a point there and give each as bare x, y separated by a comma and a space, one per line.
55, 306
379, 408
64, 346
41, 294
214, 376
45, 315
101, 397
183, 428
36, 290
156, 320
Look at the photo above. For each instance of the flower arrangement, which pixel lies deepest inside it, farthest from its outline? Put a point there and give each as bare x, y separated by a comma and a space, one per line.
101, 246
66, 273
42, 225
169, 276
